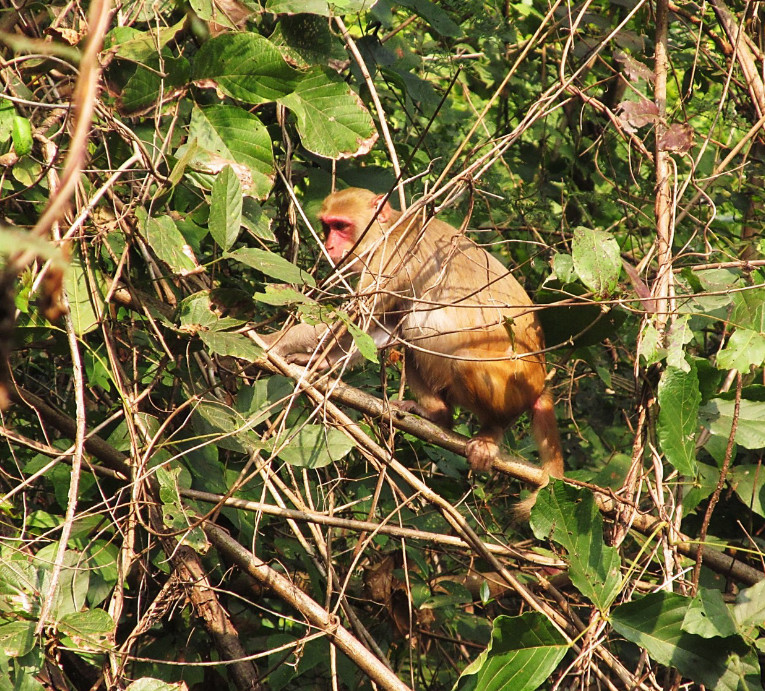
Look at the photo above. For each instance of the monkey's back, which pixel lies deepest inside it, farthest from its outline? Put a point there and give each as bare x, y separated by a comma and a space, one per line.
472, 331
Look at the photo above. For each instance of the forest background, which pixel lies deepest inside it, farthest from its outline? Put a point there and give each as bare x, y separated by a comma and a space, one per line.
181, 511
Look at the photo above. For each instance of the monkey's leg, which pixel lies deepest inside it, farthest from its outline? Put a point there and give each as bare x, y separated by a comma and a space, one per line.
429, 404
544, 427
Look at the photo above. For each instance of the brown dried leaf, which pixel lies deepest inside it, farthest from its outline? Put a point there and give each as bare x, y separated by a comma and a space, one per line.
635, 114
677, 138
642, 290
633, 69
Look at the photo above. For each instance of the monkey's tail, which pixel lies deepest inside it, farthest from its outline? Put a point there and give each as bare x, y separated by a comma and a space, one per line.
544, 427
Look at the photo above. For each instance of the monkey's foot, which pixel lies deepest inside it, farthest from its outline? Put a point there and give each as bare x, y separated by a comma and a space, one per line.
443, 417
305, 359
481, 453
406, 406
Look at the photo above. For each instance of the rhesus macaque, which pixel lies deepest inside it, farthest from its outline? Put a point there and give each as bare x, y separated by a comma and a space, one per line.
471, 336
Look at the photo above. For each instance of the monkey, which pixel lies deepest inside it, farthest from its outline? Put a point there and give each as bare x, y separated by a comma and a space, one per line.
471, 336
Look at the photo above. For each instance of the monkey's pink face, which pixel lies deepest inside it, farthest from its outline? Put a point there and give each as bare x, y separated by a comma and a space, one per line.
340, 236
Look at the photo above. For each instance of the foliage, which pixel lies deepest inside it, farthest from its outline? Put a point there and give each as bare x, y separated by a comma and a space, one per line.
623, 190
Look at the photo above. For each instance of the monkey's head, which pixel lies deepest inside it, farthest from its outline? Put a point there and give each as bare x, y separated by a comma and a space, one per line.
353, 216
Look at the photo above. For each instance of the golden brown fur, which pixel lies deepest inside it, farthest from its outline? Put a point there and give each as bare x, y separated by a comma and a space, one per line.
472, 338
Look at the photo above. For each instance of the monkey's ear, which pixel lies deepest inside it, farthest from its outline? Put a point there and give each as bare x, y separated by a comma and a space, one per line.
384, 208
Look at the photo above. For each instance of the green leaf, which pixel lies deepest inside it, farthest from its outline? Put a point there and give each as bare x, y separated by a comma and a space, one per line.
196, 313
749, 609
718, 283
223, 426
221, 136
138, 46
226, 209
749, 310
259, 401
324, 8
17, 638
245, 66
678, 334
149, 684
73, 583
523, 652
88, 630
280, 295
154, 76
571, 518
748, 481
304, 39
655, 621
437, 18
650, 348
314, 446
7, 113
597, 260
231, 344
21, 134
81, 297
211, 11
743, 349
708, 616
168, 244
717, 415
364, 342
679, 400
271, 264
563, 267
332, 120
256, 220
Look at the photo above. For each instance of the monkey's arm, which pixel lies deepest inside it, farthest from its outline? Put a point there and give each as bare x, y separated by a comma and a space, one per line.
323, 345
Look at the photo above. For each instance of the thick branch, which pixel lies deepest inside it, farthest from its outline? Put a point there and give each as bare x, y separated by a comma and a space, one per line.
309, 608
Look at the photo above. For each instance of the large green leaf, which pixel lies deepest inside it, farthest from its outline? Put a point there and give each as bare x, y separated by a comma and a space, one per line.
679, 400
196, 313
748, 481
245, 66
749, 310
81, 297
523, 652
168, 243
749, 608
73, 581
154, 76
717, 414
221, 136
138, 46
571, 518
17, 638
437, 18
226, 209
716, 298
655, 622
231, 344
88, 630
743, 349
271, 264
313, 446
597, 260
326, 8
708, 616
220, 424
332, 120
